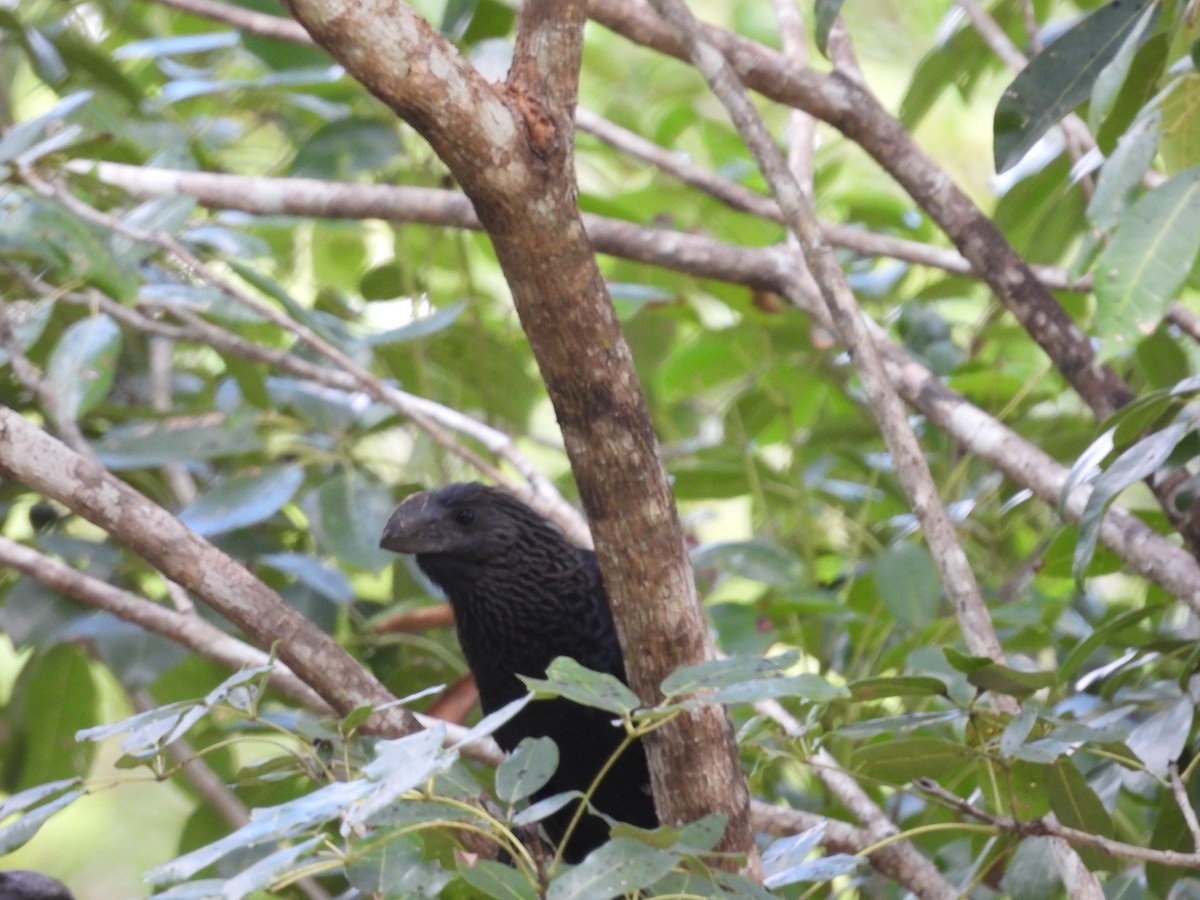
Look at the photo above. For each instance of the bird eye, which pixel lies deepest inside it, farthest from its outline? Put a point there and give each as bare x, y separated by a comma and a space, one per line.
464, 516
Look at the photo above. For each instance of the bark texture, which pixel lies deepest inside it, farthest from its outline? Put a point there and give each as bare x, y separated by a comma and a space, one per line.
510, 148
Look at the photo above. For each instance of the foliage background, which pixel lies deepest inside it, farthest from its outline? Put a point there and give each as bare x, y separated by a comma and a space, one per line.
802, 536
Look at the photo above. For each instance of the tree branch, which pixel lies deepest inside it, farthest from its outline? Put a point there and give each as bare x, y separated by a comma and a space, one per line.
771, 269
32, 457
856, 113
510, 151
850, 325
1047, 828
188, 631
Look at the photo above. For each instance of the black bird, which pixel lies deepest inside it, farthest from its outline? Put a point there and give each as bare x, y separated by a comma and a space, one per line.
21, 884
523, 595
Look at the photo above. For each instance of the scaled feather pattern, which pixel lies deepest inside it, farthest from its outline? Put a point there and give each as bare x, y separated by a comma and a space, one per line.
523, 595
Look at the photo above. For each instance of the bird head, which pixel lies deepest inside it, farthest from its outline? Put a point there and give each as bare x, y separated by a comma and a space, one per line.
468, 521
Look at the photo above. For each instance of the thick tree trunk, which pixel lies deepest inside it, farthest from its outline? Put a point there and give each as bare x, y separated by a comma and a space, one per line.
510, 148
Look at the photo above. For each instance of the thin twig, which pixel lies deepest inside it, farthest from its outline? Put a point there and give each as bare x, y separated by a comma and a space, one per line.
256, 23
801, 126
1179, 792
1046, 828
337, 200
676, 164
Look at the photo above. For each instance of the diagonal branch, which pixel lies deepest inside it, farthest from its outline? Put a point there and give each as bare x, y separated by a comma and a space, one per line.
856, 113
188, 631
851, 326
32, 457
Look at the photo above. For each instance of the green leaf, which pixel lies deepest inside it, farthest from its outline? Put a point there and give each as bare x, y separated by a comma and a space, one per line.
456, 16
176, 46
884, 686
720, 673
19, 831
787, 861
1077, 806
525, 770
1170, 833
346, 514
165, 214
1147, 261
439, 320
1115, 625
492, 19
412, 812
493, 720
958, 64
1132, 102
1110, 79
825, 13
54, 696
1136, 463
1015, 683
964, 663
26, 322
199, 298
21, 136
699, 836
1120, 176
356, 717
399, 766
1031, 872
745, 679
83, 364
330, 411
145, 733
268, 869
1161, 738
545, 808
142, 444
1073, 800
31, 797
34, 614
709, 477
908, 585
493, 879
242, 501
805, 686
347, 149
328, 581
621, 866
1162, 360
1016, 790
894, 725
905, 759
824, 868
567, 678
383, 282
1018, 729
1180, 126
1060, 78
757, 560
273, 823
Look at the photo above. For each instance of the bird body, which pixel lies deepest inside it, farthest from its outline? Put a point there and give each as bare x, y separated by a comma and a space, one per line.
522, 596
